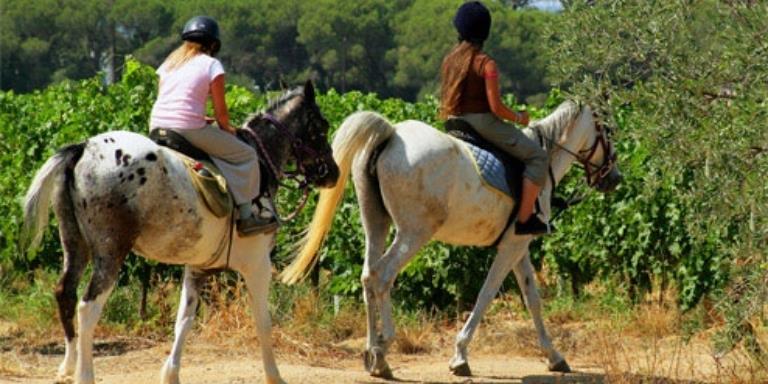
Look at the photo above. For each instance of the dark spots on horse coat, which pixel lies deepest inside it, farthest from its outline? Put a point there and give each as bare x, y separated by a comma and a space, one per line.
85, 204
130, 177
151, 157
140, 171
118, 155
527, 282
142, 181
126, 160
165, 170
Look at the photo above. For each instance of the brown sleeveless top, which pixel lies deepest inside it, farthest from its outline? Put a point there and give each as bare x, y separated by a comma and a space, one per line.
473, 97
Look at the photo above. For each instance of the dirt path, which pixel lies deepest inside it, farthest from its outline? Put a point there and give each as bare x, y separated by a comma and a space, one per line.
507, 355
205, 364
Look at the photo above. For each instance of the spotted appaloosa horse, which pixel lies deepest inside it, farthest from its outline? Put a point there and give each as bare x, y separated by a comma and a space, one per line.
119, 191
425, 183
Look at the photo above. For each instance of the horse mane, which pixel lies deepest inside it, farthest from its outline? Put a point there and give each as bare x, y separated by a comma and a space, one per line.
275, 104
559, 120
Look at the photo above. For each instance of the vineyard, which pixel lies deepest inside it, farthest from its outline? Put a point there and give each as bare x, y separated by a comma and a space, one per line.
687, 228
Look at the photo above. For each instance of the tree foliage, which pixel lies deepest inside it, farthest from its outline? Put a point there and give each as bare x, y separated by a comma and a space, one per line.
392, 48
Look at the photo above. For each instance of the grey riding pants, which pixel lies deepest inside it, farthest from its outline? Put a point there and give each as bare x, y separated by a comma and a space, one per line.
238, 162
513, 141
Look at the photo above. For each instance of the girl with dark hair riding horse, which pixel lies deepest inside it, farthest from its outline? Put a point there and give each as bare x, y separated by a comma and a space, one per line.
470, 91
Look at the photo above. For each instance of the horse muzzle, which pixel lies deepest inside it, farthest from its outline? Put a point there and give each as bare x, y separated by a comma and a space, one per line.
326, 174
610, 181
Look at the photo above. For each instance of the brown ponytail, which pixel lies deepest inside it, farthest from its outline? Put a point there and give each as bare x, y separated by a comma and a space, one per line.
454, 71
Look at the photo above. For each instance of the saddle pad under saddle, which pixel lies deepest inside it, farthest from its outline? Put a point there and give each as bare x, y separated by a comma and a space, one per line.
498, 170
491, 169
211, 185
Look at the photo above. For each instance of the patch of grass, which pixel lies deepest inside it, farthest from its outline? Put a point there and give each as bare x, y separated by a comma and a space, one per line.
29, 305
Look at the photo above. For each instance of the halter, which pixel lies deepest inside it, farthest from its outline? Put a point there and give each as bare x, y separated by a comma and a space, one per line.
300, 151
593, 173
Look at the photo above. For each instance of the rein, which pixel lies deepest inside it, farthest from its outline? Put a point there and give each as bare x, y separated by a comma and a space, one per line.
299, 151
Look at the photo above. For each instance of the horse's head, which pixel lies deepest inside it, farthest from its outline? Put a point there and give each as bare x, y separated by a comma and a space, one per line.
598, 155
297, 118
583, 137
311, 130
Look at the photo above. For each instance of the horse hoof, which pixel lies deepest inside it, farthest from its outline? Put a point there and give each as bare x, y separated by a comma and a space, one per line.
461, 370
373, 360
560, 366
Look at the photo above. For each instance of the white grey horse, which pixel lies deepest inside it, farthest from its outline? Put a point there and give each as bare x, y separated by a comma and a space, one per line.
119, 191
425, 183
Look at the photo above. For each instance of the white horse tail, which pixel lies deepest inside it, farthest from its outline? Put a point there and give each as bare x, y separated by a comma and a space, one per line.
38, 198
359, 135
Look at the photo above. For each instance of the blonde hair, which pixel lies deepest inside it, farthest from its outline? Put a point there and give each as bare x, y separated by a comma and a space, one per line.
454, 71
182, 54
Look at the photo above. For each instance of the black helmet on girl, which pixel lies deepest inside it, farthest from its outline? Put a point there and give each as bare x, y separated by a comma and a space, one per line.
473, 22
203, 30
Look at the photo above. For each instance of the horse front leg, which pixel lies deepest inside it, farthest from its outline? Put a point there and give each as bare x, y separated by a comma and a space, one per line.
525, 280
258, 276
188, 302
503, 262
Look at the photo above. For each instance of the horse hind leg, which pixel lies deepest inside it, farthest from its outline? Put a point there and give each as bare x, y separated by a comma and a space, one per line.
76, 255
524, 275
108, 256
190, 294
376, 223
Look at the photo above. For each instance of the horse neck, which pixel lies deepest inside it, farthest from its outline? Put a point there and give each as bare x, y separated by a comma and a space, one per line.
561, 161
278, 139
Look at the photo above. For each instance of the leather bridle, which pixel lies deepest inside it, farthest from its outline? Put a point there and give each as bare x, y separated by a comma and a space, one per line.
300, 151
593, 173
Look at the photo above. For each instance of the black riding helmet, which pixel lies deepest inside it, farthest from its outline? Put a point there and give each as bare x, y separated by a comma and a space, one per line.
473, 22
203, 30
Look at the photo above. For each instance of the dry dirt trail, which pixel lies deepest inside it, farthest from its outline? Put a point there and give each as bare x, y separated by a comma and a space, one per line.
506, 356
206, 364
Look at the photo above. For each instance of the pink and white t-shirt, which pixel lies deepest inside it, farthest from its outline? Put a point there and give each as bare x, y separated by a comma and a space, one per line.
183, 93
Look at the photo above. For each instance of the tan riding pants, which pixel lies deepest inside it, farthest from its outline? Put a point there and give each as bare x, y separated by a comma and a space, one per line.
238, 162
513, 141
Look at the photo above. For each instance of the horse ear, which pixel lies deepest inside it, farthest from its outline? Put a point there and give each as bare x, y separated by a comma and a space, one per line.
309, 91
283, 84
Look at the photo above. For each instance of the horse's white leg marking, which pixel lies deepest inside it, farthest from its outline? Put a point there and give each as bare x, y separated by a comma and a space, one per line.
505, 259
184, 320
257, 277
67, 367
88, 313
525, 279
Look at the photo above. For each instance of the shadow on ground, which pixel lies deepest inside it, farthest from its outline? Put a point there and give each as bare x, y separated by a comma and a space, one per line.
100, 348
571, 378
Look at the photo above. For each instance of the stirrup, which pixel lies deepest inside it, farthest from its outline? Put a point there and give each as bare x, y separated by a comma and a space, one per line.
254, 225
